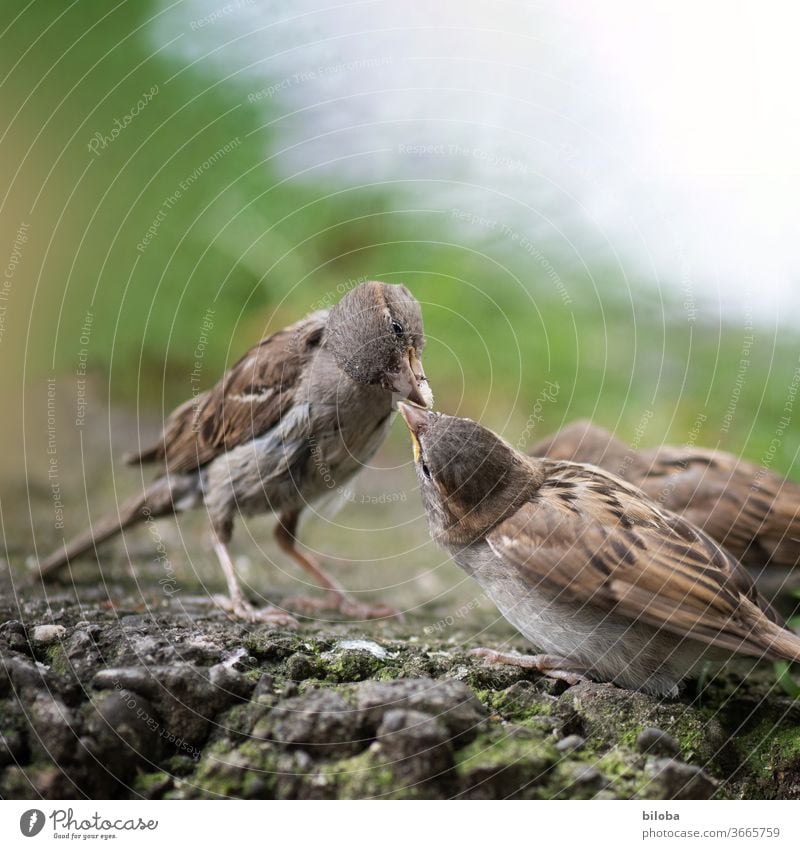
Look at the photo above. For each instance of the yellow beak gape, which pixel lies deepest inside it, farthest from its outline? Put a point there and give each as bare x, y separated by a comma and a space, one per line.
416, 446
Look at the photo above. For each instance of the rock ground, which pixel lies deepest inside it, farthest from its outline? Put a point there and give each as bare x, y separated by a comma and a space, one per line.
172, 699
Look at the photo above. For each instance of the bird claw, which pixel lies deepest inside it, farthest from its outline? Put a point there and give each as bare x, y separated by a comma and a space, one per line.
242, 609
343, 604
545, 664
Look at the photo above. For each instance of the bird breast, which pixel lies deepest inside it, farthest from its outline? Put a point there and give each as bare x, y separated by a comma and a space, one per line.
608, 646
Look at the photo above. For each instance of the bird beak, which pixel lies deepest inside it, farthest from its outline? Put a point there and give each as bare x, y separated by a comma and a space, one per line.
416, 419
410, 383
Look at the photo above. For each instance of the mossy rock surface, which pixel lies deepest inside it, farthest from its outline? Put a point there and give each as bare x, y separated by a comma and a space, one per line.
184, 703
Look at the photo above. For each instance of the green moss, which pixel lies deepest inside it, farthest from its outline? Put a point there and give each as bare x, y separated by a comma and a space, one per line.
770, 747
518, 702
504, 746
56, 658
360, 777
245, 772
152, 785
507, 763
272, 646
352, 665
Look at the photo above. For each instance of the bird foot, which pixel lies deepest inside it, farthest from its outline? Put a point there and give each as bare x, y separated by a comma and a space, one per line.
547, 664
240, 608
343, 604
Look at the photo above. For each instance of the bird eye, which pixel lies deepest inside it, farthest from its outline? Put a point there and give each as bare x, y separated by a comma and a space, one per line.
426, 471
397, 328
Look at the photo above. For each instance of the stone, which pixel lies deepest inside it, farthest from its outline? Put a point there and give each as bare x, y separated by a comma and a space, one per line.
187, 696
450, 701
12, 746
571, 743
45, 635
414, 745
654, 741
301, 666
124, 732
55, 728
19, 674
671, 779
320, 721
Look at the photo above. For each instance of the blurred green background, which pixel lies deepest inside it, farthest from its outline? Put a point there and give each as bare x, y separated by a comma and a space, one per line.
200, 206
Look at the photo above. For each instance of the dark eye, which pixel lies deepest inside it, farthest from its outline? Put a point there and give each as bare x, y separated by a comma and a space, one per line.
426, 471
397, 328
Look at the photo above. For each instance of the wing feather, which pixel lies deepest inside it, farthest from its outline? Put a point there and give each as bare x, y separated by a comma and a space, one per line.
250, 399
610, 547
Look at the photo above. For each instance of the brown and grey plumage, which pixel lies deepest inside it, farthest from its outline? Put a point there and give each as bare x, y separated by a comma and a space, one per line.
291, 422
752, 512
608, 583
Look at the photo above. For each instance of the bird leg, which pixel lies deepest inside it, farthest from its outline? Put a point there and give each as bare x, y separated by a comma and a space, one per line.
237, 604
336, 597
546, 664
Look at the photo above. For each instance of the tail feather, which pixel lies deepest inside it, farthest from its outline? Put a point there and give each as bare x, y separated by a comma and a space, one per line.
157, 500
783, 645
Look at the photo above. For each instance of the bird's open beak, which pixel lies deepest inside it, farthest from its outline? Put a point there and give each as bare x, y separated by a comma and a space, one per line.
416, 419
410, 382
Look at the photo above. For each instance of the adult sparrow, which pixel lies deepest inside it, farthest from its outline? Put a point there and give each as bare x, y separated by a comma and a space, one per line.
293, 420
609, 584
752, 512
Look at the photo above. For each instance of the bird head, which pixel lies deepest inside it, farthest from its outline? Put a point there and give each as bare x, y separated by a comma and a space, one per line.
470, 479
376, 336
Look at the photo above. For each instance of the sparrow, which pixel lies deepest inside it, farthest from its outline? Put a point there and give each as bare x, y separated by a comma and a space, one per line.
752, 512
295, 418
610, 585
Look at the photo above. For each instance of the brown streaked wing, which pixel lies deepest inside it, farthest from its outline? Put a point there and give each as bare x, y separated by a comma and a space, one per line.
250, 398
751, 511
648, 565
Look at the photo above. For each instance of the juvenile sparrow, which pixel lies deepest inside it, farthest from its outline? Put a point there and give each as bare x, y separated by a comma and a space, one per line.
752, 512
610, 585
296, 417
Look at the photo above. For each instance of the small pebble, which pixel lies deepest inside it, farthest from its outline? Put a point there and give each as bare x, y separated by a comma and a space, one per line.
573, 743
44, 635
654, 741
366, 645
